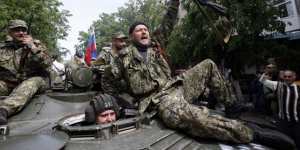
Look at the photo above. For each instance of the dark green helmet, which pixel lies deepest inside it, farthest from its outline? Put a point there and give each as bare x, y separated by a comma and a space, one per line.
79, 53
99, 104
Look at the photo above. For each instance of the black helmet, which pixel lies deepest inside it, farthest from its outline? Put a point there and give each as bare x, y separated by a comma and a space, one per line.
99, 104
79, 53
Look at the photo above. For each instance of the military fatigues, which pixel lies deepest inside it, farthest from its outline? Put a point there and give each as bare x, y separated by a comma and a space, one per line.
150, 80
106, 81
109, 84
105, 56
21, 72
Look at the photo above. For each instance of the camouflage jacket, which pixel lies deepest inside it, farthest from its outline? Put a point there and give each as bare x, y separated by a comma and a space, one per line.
144, 77
110, 84
18, 63
103, 60
106, 55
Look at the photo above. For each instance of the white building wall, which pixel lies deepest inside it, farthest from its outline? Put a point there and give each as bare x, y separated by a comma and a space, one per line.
292, 20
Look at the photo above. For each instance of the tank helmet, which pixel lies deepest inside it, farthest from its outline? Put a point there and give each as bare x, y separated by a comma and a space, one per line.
99, 104
79, 53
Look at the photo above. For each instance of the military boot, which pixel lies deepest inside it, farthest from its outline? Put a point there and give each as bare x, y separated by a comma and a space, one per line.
3, 116
234, 105
271, 138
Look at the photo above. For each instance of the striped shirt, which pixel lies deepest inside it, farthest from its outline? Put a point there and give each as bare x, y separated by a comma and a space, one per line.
288, 98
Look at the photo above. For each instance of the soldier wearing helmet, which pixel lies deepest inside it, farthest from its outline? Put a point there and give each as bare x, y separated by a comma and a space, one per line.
102, 109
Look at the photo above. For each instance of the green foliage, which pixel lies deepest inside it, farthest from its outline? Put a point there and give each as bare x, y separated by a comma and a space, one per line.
195, 38
251, 19
148, 11
45, 20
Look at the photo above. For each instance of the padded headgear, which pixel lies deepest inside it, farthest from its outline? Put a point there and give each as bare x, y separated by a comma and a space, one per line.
99, 104
79, 53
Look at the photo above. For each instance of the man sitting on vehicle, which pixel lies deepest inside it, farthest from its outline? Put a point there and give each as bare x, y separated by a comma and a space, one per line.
24, 63
102, 109
118, 43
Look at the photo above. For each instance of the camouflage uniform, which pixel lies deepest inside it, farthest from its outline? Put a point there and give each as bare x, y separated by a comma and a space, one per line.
105, 56
149, 80
108, 53
110, 84
21, 74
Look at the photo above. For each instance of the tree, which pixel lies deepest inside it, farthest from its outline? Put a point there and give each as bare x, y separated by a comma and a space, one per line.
135, 10
250, 20
196, 39
45, 20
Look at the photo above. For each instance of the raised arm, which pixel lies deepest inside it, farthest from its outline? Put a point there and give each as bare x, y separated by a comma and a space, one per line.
38, 55
162, 33
268, 83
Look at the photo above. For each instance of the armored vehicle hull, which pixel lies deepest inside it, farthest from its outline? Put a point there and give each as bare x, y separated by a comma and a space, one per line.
52, 121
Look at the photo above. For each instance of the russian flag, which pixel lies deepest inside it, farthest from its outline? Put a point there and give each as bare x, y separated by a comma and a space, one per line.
91, 49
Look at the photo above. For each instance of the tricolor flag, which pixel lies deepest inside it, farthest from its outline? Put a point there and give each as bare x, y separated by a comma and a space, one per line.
91, 49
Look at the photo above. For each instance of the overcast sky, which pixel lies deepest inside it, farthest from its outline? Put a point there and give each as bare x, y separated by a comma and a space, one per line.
84, 13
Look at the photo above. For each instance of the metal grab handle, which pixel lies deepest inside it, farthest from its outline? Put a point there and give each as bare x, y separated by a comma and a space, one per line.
126, 126
4, 130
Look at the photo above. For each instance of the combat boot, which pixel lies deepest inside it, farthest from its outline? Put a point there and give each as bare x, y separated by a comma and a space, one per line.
3, 116
271, 138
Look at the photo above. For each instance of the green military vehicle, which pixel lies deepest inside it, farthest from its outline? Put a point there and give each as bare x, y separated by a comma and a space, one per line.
56, 121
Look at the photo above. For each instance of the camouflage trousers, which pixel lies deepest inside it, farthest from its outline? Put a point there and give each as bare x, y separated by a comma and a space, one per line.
175, 110
21, 94
206, 75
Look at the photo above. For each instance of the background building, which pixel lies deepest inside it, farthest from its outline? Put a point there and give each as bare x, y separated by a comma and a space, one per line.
290, 15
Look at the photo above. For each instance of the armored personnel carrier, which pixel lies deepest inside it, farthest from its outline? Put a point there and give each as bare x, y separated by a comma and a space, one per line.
55, 121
